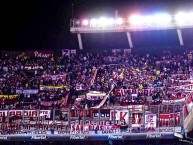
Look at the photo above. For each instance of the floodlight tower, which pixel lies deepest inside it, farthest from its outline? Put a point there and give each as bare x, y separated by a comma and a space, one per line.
134, 23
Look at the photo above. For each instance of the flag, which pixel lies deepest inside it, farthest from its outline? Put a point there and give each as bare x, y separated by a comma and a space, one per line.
93, 78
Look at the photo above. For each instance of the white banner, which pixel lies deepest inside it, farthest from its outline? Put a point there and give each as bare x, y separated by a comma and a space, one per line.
150, 122
27, 91
68, 52
93, 95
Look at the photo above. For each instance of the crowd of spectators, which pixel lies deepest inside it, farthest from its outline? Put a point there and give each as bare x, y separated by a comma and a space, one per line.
30, 82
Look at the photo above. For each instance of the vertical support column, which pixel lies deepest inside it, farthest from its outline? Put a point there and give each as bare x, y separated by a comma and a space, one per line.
54, 114
69, 117
23, 117
143, 115
129, 117
99, 117
180, 36
129, 40
159, 117
79, 41
84, 117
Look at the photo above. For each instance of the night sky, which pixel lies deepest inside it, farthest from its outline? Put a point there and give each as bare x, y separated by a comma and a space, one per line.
45, 24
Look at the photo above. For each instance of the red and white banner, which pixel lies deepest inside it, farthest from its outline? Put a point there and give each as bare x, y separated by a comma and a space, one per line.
101, 103
104, 99
50, 103
189, 103
122, 92
93, 78
27, 113
170, 119
136, 119
119, 115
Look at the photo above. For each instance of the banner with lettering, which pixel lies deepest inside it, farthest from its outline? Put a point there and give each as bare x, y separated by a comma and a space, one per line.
27, 113
42, 87
94, 95
170, 119
122, 92
43, 53
8, 96
136, 119
32, 67
50, 103
68, 52
150, 122
27, 91
119, 115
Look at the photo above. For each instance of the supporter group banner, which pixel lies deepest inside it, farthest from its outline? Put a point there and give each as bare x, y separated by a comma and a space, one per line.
93, 78
173, 101
122, 92
62, 101
120, 115
43, 53
30, 67
27, 91
8, 96
68, 52
50, 103
42, 87
93, 95
27, 113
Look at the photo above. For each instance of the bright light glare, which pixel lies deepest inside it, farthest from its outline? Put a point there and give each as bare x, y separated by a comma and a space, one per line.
111, 21
135, 20
191, 17
93, 22
85, 22
102, 22
162, 18
148, 19
181, 18
119, 21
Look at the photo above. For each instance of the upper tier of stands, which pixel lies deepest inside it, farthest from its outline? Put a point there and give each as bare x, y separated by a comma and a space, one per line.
83, 80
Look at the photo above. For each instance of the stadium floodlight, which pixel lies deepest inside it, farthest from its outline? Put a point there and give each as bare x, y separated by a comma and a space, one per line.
181, 18
85, 22
136, 20
102, 21
119, 21
110, 21
148, 20
191, 17
93, 22
162, 19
